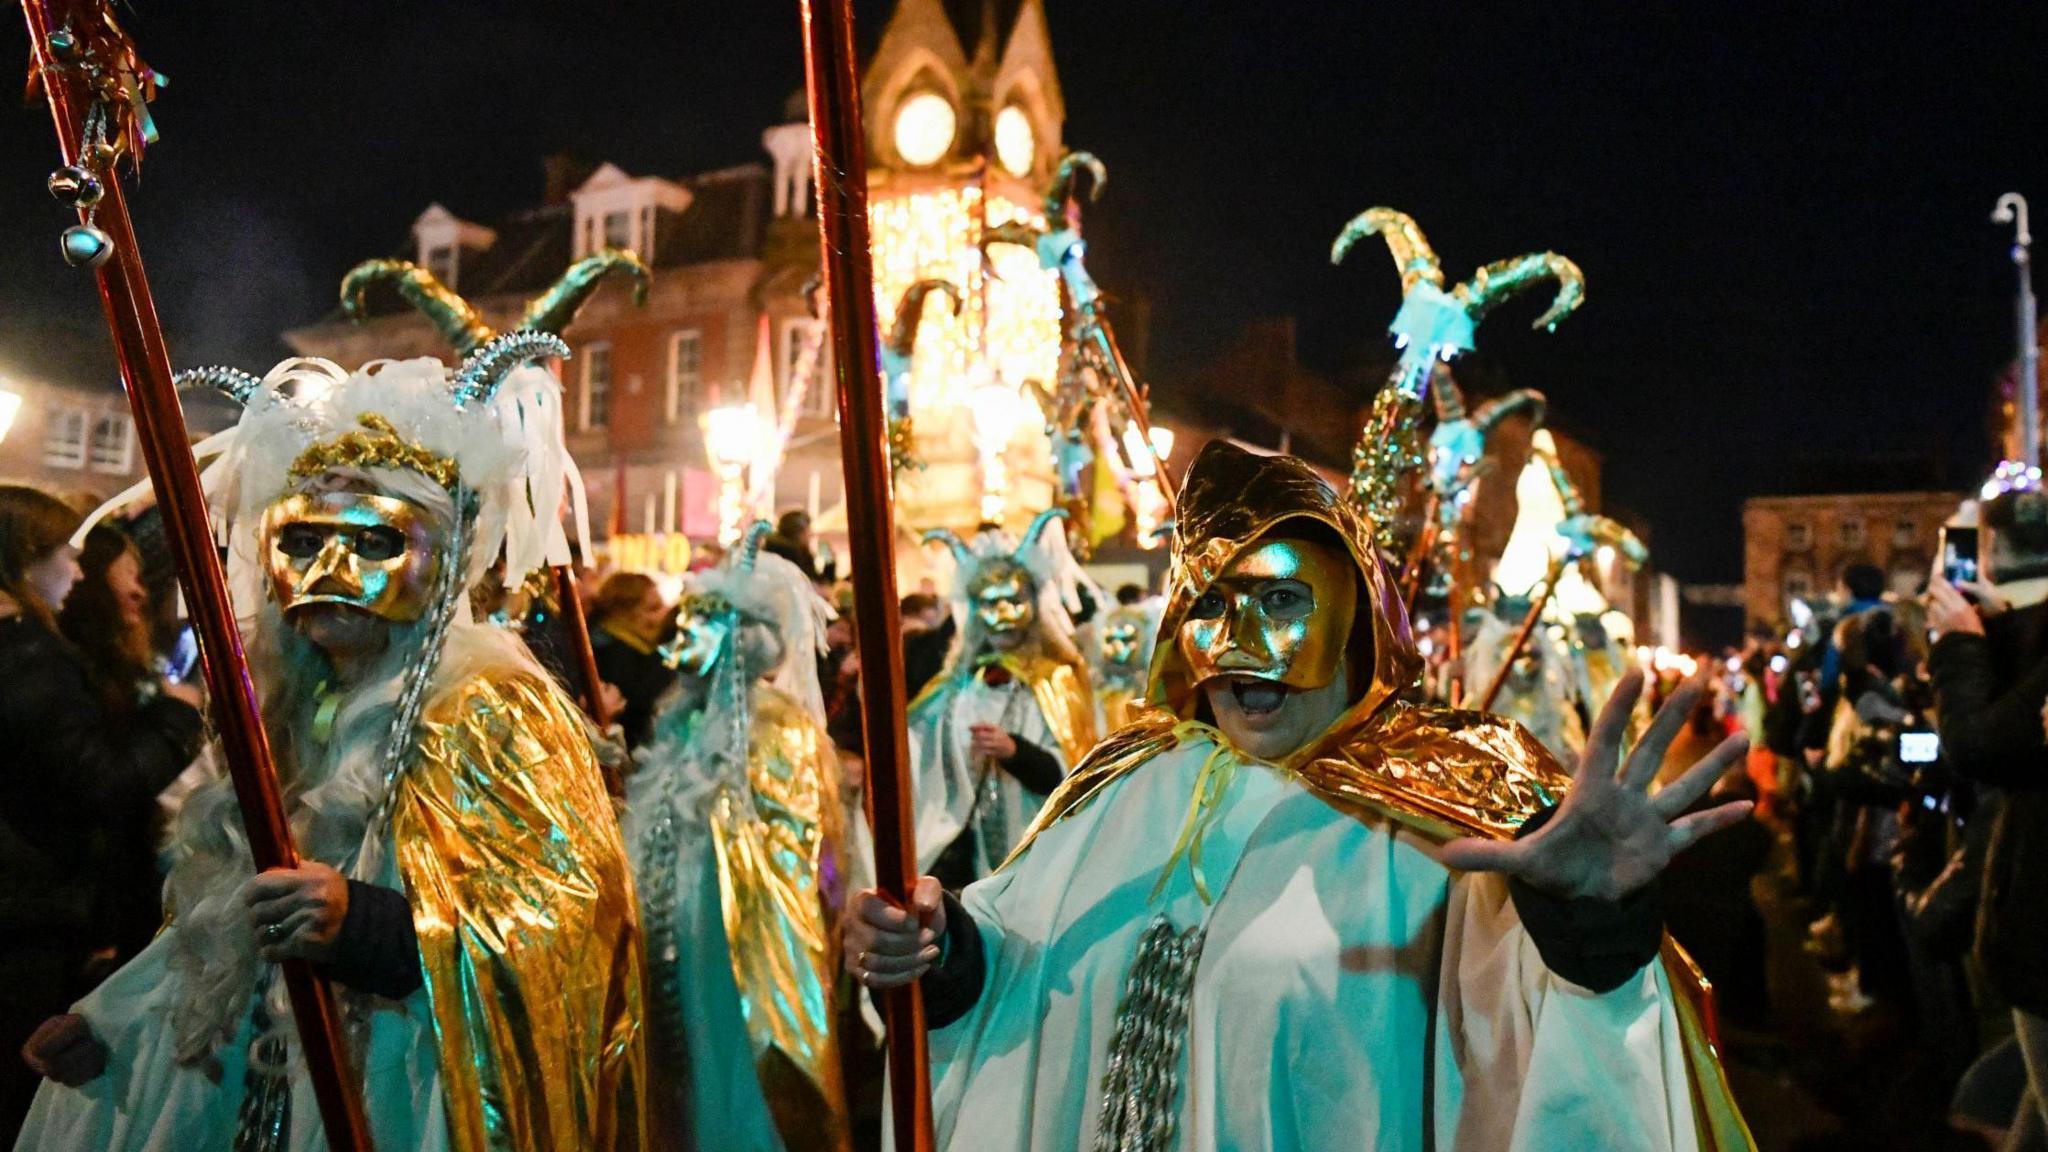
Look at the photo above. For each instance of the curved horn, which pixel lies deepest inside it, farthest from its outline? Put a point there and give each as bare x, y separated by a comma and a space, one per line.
486, 367
232, 383
1450, 399
1037, 526
749, 552
962, 555
555, 309
1567, 492
1500, 408
1062, 186
1412, 254
1504, 279
452, 316
910, 312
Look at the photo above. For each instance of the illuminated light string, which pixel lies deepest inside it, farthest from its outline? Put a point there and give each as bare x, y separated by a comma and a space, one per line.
1008, 330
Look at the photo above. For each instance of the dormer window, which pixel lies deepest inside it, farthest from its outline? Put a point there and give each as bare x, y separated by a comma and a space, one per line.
616, 210
441, 238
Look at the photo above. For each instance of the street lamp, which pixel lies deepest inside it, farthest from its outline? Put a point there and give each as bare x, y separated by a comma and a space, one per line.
994, 410
10, 407
2012, 209
732, 435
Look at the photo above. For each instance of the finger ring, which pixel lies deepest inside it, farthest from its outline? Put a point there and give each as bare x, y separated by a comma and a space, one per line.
272, 933
860, 962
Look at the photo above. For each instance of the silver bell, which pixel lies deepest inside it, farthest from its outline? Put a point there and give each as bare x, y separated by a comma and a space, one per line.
86, 246
76, 186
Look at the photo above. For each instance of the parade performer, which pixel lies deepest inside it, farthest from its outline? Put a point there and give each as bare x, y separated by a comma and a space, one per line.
995, 733
1285, 910
733, 819
463, 882
1540, 692
1124, 657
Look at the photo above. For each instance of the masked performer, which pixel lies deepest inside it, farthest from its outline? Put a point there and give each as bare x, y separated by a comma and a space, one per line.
735, 825
1268, 915
1125, 652
464, 883
997, 731
1539, 692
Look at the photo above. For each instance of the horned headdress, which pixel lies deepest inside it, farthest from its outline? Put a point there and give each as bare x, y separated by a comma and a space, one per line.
1040, 554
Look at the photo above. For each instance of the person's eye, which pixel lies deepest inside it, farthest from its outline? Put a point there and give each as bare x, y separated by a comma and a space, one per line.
1286, 601
380, 543
1208, 607
300, 541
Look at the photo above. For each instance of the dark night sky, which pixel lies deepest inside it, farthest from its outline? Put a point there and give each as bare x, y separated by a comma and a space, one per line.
1782, 215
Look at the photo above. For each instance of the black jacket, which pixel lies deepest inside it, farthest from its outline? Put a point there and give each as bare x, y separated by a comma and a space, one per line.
641, 677
1989, 691
65, 768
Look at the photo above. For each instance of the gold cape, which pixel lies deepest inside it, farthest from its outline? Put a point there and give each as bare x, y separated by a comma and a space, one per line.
527, 922
1441, 772
772, 855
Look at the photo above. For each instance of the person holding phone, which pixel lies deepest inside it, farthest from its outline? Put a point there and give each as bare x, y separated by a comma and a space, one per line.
1990, 670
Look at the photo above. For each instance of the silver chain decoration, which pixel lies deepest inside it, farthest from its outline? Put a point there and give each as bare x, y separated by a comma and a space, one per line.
1141, 1086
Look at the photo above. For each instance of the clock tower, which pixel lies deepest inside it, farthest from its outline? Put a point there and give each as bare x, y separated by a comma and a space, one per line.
964, 117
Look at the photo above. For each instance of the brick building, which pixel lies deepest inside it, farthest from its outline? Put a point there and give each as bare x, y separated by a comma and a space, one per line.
64, 421
1798, 546
962, 100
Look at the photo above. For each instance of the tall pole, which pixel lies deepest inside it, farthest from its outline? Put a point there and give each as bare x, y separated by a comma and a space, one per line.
841, 169
166, 450
2012, 209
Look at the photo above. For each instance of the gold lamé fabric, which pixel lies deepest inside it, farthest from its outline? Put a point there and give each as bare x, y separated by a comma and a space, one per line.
527, 922
1443, 772
773, 848
1120, 706
1064, 699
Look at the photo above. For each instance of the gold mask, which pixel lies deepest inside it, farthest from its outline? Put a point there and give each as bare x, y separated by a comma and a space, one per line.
1282, 610
375, 553
1123, 640
1003, 595
704, 628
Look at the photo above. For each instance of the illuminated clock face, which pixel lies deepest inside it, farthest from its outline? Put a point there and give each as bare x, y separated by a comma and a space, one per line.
925, 124
1016, 143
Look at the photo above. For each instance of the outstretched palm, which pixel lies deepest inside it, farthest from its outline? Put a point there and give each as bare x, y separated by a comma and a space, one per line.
1611, 836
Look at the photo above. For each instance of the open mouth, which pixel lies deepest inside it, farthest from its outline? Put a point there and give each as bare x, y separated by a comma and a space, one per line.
1257, 697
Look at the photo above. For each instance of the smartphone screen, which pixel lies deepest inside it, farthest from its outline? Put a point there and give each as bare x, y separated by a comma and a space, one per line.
1919, 747
1959, 555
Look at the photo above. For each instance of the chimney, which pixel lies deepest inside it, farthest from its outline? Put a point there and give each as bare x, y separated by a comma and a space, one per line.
563, 173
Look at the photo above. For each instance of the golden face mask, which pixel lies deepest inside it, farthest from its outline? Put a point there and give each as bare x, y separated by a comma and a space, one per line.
1123, 640
370, 552
1282, 610
704, 628
1003, 597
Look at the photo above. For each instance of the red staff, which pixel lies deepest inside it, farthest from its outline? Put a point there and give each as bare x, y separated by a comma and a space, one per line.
97, 91
840, 167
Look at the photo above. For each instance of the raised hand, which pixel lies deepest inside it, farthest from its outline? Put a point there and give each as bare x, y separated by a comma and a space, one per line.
1610, 836
887, 946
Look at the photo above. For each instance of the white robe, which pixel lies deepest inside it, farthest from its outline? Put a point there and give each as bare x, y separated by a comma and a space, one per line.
947, 776
147, 1101
1353, 992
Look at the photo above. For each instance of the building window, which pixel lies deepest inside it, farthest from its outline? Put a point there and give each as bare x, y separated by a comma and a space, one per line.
1798, 537
113, 445
618, 230
64, 438
685, 374
1905, 534
1798, 585
597, 386
798, 337
441, 262
1851, 532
